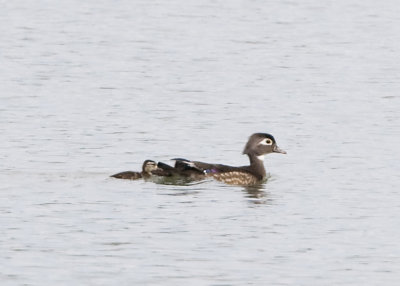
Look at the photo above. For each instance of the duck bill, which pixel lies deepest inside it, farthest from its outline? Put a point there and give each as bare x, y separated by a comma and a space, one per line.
278, 150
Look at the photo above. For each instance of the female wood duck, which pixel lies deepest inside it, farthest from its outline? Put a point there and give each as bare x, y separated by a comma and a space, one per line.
148, 167
258, 145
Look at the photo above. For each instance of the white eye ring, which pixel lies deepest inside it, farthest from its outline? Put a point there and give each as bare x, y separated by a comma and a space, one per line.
266, 141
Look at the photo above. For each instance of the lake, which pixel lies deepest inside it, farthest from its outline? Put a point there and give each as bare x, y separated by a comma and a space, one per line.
92, 88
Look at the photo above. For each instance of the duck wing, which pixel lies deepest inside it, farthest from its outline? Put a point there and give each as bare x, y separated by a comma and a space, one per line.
187, 165
180, 173
181, 168
205, 168
164, 170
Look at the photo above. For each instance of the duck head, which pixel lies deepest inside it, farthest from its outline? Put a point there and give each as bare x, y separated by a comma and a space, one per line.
260, 144
148, 166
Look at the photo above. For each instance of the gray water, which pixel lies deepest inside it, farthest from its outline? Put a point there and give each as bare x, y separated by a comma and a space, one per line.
91, 88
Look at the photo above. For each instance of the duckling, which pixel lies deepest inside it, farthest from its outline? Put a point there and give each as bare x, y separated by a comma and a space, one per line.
148, 168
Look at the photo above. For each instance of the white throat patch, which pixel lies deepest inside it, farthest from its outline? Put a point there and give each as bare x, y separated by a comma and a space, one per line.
261, 157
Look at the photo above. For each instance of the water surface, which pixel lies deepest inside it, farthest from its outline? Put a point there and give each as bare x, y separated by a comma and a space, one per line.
90, 89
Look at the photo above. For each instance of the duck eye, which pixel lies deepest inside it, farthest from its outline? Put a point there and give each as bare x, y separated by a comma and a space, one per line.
266, 141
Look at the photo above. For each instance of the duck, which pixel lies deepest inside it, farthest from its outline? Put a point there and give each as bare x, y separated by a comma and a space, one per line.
257, 146
148, 167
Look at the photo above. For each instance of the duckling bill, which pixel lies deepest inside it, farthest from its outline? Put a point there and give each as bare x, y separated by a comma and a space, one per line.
257, 146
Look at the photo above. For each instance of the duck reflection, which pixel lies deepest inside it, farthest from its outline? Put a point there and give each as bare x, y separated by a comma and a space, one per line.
256, 194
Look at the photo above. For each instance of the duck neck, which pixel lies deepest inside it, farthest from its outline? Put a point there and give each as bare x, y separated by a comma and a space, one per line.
257, 165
